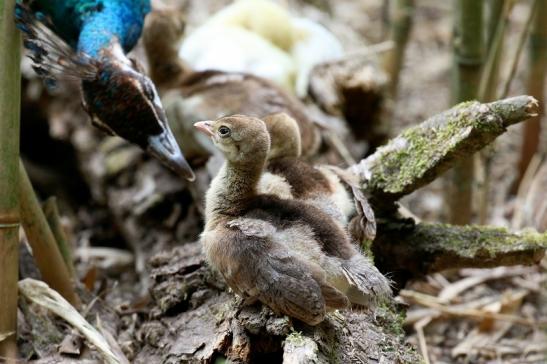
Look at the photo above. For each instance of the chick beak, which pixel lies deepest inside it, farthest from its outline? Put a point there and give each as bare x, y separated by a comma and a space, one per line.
205, 127
165, 148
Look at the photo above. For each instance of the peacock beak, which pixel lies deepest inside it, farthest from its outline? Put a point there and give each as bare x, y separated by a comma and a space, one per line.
205, 127
165, 148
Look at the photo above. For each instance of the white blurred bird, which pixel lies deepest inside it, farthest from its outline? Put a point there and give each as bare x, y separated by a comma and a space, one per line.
261, 37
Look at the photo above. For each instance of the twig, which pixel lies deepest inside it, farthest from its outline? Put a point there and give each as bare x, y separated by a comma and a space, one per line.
450, 292
334, 140
523, 190
9, 182
370, 50
419, 327
433, 302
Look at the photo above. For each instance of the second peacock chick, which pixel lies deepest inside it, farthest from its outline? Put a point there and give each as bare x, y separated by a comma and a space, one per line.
285, 253
288, 176
87, 41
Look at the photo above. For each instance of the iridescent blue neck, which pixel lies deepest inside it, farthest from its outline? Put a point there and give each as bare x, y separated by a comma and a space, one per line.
115, 23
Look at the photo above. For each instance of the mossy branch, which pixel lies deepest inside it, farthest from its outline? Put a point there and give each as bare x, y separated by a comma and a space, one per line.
404, 248
421, 153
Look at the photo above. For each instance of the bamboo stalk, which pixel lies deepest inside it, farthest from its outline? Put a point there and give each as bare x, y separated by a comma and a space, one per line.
44, 247
537, 73
498, 18
497, 23
10, 90
520, 45
401, 24
53, 218
468, 58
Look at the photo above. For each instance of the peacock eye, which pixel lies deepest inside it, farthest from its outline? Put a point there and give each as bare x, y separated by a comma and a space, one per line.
224, 131
148, 91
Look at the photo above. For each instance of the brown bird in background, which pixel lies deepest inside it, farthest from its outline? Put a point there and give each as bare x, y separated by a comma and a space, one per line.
285, 253
192, 96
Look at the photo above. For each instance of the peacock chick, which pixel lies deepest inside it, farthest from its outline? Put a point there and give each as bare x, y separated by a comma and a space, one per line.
286, 254
190, 96
88, 41
288, 176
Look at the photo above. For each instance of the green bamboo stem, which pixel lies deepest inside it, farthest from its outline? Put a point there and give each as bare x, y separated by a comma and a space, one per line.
499, 13
10, 90
53, 218
400, 26
537, 72
468, 57
495, 10
498, 19
44, 246
520, 45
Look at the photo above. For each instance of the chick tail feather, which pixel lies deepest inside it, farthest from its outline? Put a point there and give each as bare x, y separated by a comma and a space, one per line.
334, 299
52, 58
367, 286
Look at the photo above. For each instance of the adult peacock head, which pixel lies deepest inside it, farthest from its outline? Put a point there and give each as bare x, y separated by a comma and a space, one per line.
121, 100
116, 94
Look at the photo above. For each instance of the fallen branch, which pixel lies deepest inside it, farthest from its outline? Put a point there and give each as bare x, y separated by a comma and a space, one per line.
405, 249
422, 153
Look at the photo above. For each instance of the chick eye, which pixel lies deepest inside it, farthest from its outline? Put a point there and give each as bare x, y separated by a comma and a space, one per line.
224, 131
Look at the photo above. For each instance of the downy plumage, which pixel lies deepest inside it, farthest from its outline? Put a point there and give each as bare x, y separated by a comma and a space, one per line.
288, 176
285, 253
87, 40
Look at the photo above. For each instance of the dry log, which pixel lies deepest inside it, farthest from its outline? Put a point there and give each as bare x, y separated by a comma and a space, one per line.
194, 319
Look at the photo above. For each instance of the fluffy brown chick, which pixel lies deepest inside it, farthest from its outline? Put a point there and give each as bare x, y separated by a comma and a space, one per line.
288, 176
207, 95
285, 253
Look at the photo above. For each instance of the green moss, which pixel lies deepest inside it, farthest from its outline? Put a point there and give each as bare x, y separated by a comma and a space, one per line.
419, 149
468, 241
296, 338
391, 318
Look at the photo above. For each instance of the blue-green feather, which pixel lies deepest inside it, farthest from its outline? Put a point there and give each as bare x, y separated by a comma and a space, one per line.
90, 25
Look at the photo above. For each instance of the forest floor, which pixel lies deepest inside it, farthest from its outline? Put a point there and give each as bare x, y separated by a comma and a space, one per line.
453, 321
